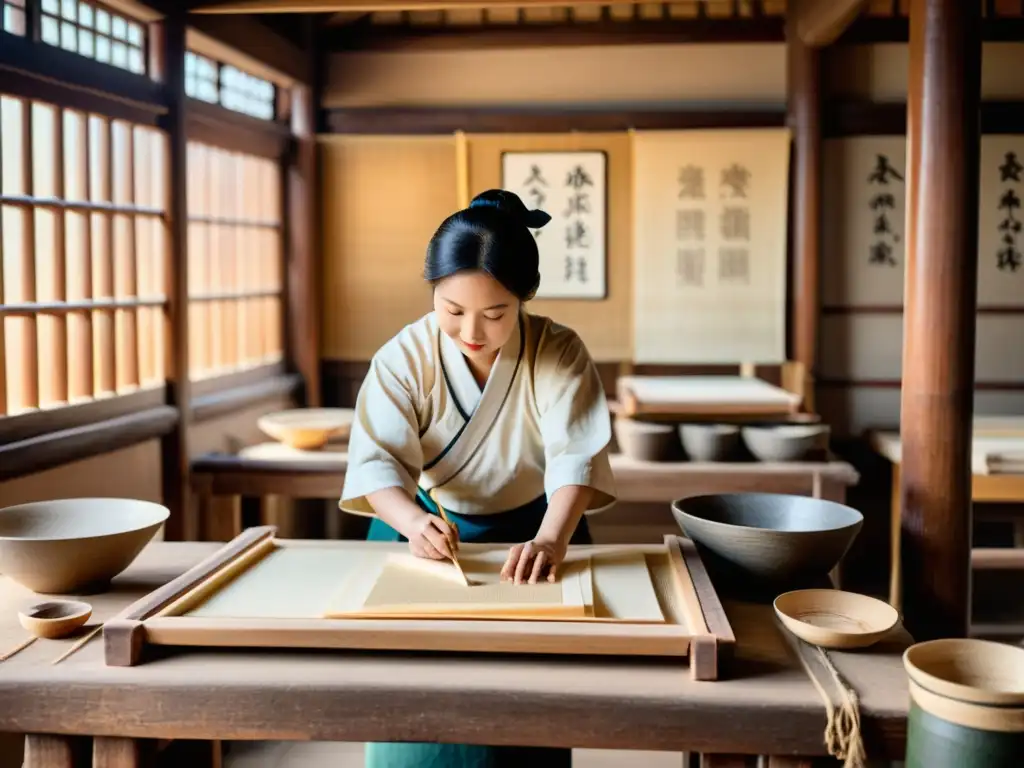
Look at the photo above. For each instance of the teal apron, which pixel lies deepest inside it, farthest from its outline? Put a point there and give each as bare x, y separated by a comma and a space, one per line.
512, 527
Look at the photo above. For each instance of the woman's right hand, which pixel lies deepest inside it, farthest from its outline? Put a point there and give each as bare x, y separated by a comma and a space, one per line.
432, 538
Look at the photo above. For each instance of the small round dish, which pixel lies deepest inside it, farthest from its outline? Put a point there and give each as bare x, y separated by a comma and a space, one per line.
54, 618
830, 618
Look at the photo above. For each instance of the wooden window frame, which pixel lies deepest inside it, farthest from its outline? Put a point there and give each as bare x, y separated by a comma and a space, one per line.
39, 440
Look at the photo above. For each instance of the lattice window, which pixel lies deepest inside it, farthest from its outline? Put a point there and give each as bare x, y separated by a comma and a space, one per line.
83, 245
93, 31
15, 21
228, 86
235, 261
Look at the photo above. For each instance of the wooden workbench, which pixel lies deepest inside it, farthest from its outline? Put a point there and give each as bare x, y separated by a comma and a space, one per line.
767, 707
985, 488
270, 469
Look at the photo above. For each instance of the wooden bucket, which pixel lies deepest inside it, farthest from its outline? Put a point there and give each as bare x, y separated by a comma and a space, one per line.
966, 704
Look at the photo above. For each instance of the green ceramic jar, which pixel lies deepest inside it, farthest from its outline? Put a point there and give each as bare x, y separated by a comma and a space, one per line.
966, 705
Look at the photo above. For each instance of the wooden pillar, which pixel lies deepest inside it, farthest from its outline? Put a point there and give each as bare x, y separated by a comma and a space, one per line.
804, 92
174, 445
943, 147
304, 285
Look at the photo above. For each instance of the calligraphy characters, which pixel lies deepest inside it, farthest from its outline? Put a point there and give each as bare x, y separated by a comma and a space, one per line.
734, 255
690, 227
577, 227
1008, 256
882, 204
535, 195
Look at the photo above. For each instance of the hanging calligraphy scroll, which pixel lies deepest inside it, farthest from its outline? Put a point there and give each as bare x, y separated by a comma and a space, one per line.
864, 195
571, 187
710, 246
1001, 219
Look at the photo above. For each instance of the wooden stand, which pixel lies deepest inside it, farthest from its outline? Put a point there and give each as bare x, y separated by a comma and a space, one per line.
696, 625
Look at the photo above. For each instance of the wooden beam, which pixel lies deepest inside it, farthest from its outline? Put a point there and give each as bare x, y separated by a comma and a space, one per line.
423, 120
250, 45
174, 446
936, 403
369, 6
821, 22
805, 104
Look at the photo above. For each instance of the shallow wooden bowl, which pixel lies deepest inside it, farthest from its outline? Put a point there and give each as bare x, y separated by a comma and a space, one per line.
779, 538
307, 428
786, 442
966, 669
647, 441
709, 442
74, 546
54, 618
833, 619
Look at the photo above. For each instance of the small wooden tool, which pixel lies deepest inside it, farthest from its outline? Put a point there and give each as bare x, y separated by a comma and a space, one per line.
455, 558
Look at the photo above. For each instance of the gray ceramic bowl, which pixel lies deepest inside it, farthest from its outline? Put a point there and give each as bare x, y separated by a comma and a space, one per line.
789, 442
646, 441
770, 536
710, 442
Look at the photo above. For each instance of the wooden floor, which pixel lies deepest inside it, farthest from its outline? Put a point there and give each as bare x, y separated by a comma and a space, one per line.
344, 755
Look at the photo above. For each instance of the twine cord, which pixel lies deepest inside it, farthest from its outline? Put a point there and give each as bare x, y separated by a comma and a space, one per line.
843, 737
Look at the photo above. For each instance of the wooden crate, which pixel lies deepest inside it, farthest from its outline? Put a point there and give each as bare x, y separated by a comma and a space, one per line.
695, 628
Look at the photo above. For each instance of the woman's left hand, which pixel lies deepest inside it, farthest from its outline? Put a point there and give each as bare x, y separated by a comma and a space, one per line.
527, 563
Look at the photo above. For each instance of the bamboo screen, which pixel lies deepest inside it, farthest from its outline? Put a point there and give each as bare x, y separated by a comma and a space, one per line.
83, 248
235, 261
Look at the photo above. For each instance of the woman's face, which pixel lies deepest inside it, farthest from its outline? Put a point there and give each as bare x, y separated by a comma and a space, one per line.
477, 312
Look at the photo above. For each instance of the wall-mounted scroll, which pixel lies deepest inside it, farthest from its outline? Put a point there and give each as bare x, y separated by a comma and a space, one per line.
863, 221
572, 188
1001, 220
710, 245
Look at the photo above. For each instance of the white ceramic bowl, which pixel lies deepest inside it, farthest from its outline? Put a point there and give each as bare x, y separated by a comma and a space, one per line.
75, 546
307, 428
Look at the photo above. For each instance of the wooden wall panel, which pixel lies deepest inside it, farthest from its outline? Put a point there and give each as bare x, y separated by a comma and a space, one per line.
869, 347
606, 327
878, 72
628, 74
861, 331
383, 198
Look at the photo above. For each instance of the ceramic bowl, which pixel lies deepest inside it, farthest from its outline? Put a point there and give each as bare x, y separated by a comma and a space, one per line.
74, 546
968, 670
709, 442
307, 428
770, 537
831, 618
646, 441
54, 618
789, 442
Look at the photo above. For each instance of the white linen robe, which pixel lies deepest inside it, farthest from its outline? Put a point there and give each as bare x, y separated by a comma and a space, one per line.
540, 423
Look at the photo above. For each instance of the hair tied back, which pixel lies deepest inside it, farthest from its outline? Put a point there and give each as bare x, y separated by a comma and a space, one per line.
509, 204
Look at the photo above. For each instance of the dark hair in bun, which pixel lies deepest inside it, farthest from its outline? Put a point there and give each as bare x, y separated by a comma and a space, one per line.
492, 234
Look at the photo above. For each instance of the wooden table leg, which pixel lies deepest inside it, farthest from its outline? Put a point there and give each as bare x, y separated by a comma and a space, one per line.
894, 540
45, 751
776, 761
117, 752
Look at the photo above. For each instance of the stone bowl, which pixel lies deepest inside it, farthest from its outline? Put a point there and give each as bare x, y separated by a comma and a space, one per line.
307, 429
74, 546
771, 538
710, 442
788, 442
646, 441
